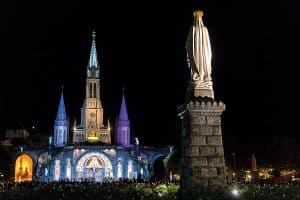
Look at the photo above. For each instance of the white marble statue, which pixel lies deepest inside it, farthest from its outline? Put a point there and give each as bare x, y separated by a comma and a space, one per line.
199, 54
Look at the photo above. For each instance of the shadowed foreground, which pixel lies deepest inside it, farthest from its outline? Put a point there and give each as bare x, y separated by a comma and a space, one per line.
133, 190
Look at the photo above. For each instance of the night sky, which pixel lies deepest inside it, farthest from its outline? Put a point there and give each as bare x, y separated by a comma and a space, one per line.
141, 46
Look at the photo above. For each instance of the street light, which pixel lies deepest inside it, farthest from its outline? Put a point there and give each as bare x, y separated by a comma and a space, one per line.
235, 192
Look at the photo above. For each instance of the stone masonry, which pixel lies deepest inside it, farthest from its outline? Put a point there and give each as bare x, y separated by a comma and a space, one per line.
203, 162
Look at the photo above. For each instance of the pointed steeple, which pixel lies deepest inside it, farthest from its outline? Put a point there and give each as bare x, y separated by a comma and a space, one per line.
61, 113
93, 62
123, 116
61, 126
123, 125
93, 69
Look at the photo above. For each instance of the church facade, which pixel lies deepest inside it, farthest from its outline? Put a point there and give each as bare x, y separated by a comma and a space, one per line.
91, 155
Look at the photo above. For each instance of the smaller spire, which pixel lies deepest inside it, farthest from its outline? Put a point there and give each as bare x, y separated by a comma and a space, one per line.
93, 62
123, 112
61, 113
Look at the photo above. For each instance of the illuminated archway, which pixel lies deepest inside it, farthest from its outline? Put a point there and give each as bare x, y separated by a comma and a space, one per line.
94, 167
23, 168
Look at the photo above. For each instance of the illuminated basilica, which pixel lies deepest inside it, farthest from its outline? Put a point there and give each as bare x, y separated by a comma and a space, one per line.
91, 155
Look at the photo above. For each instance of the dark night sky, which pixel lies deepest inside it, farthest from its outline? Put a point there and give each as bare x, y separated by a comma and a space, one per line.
141, 46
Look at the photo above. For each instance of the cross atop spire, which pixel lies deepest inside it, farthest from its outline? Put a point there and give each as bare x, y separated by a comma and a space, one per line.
93, 62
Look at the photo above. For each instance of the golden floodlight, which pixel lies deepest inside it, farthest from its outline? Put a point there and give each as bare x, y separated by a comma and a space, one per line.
92, 137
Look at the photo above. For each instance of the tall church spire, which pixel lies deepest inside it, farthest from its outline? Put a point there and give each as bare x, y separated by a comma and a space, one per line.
93, 65
123, 125
61, 126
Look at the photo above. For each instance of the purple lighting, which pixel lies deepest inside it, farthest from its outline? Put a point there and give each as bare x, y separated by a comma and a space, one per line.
123, 126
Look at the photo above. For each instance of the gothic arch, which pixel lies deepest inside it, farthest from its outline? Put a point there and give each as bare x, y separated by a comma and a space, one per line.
23, 168
155, 157
94, 165
158, 169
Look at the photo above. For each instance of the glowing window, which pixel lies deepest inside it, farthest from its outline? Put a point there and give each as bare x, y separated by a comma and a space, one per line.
23, 168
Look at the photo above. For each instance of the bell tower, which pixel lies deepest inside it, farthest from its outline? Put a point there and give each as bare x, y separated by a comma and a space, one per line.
91, 126
93, 110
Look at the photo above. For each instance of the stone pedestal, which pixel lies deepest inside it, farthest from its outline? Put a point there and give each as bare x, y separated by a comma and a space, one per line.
204, 93
203, 162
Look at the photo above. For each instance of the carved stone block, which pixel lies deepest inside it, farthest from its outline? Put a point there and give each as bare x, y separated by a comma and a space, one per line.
196, 183
205, 130
192, 151
198, 162
198, 120
204, 172
219, 151
218, 181
216, 161
214, 120
196, 172
204, 93
214, 140
207, 151
217, 130
195, 131
198, 140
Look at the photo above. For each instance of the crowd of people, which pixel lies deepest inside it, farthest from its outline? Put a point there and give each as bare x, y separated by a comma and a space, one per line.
131, 189
87, 190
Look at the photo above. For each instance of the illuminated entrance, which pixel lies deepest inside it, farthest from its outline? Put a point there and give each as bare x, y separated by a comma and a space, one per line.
23, 168
94, 167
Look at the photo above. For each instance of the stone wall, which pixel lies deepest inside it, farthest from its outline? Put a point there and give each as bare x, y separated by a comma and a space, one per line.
202, 151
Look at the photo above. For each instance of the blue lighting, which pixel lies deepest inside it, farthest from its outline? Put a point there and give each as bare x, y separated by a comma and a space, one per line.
93, 62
